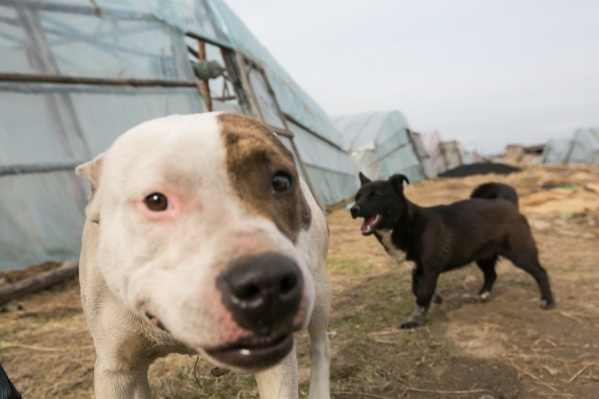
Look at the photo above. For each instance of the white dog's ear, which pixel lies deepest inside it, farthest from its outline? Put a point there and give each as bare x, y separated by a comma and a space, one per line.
92, 171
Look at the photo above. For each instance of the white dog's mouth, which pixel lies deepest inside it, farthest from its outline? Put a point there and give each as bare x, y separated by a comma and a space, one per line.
248, 353
370, 224
156, 321
254, 353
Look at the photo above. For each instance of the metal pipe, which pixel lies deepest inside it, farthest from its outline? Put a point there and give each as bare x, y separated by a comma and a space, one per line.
29, 78
7, 170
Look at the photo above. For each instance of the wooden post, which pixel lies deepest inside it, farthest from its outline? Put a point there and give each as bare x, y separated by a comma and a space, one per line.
204, 83
39, 282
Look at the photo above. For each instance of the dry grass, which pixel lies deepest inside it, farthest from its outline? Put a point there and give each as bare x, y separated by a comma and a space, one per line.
506, 348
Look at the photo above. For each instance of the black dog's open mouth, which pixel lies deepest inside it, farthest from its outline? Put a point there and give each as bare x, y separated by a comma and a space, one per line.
254, 353
370, 224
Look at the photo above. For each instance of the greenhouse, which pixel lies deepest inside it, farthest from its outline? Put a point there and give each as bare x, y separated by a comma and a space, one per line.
432, 144
556, 151
74, 74
452, 153
584, 147
381, 144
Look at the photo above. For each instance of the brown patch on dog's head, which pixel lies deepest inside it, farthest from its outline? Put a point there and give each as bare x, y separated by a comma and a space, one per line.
254, 158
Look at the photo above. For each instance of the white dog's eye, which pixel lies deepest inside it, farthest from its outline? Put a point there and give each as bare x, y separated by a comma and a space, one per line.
156, 202
281, 182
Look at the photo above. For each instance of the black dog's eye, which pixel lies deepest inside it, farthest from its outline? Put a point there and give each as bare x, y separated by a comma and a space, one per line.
156, 202
281, 182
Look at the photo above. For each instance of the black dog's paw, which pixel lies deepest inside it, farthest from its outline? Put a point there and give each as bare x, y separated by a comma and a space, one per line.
545, 304
410, 324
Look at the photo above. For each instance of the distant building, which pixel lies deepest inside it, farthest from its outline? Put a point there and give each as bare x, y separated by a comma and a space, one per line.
452, 153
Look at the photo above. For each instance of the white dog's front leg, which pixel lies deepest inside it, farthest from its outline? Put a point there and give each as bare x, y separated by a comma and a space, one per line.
320, 357
120, 383
280, 381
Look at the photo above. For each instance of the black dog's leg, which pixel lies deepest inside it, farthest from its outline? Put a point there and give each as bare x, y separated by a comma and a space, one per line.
423, 287
524, 254
416, 274
488, 268
532, 265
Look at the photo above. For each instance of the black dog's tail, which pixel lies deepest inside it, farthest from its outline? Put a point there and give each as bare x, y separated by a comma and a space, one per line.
496, 191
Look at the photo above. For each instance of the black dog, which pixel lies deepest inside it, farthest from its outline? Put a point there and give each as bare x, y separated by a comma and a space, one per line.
446, 237
496, 191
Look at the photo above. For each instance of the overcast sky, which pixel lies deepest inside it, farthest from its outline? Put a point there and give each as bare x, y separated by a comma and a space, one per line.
485, 72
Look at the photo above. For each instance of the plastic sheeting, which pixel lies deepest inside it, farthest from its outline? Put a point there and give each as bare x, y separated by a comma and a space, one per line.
380, 144
326, 166
331, 184
432, 144
470, 157
556, 151
584, 147
214, 20
452, 153
425, 161
293, 99
76, 42
48, 128
43, 212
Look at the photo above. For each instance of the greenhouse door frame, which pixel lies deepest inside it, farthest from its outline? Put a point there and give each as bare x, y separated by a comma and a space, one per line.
247, 65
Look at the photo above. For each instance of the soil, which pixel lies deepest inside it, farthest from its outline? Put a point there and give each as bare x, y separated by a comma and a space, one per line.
507, 348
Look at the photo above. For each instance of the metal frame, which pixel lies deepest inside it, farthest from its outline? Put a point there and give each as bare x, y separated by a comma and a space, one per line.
246, 63
421, 157
61, 107
249, 64
313, 133
237, 64
231, 77
30, 78
31, 169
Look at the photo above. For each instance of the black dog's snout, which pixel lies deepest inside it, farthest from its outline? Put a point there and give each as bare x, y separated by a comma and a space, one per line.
355, 211
262, 292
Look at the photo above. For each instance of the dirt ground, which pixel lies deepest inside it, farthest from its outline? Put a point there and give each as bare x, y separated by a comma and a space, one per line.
507, 348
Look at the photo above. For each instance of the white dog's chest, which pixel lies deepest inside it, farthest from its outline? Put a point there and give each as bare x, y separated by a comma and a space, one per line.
396, 254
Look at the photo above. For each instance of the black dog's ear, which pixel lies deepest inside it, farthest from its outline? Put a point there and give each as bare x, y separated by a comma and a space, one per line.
363, 179
397, 182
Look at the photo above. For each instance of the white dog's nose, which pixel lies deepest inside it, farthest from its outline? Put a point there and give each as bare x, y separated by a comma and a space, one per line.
262, 292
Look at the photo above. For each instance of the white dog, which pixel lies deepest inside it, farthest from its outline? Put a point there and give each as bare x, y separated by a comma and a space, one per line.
200, 237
